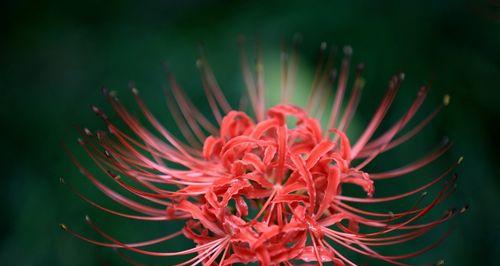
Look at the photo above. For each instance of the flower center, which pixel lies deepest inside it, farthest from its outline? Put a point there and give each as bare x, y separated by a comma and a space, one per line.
270, 163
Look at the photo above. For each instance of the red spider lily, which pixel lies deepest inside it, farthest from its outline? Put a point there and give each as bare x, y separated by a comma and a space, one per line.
264, 189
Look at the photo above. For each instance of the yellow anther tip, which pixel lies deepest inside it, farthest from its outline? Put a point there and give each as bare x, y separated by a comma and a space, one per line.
446, 99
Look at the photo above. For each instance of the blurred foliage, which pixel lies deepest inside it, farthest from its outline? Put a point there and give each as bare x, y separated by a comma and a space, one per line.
56, 55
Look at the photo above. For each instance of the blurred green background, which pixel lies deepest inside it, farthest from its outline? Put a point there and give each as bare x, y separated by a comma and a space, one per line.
55, 56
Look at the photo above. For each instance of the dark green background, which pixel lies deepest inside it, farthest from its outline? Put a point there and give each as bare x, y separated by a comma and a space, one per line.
55, 56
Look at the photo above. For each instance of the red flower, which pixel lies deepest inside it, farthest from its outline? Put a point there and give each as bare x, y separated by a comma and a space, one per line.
264, 189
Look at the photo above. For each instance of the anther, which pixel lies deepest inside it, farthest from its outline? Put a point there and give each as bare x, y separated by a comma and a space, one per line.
63, 227
460, 160
323, 46
87, 132
61, 180
446, 99
401, 76
440, 262
464, 208
199, 63
105, 91
348, 50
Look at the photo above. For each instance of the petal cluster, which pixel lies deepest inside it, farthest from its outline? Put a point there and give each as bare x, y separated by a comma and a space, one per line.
265, 184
